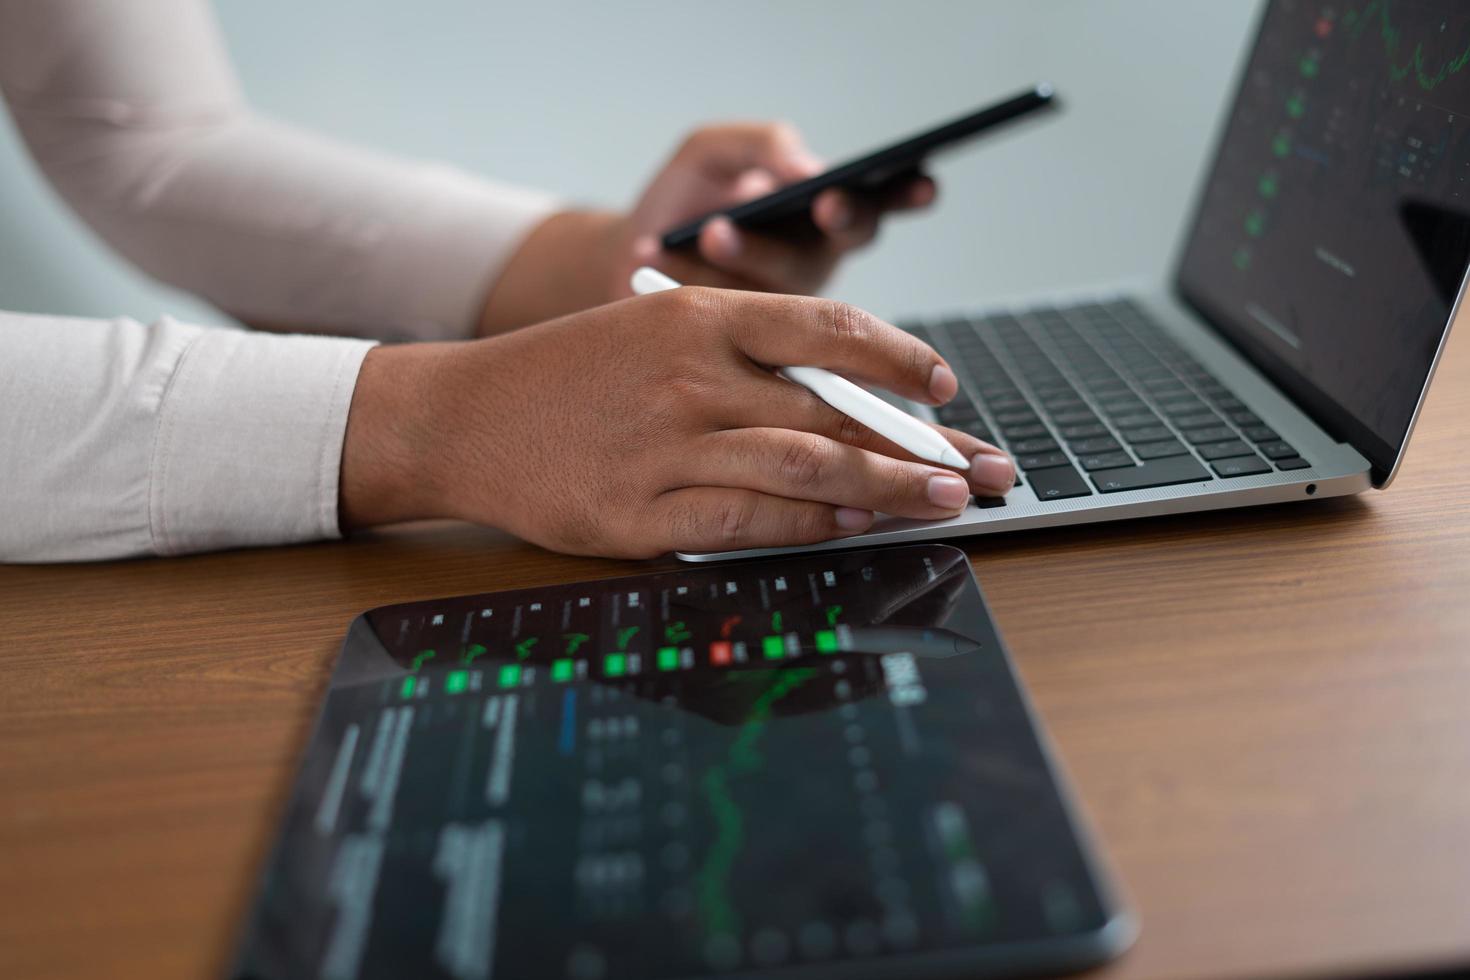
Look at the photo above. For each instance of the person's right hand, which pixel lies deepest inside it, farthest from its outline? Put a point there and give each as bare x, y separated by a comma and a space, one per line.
650, 425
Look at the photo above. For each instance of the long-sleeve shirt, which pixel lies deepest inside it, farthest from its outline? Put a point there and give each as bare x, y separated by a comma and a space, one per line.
120, 439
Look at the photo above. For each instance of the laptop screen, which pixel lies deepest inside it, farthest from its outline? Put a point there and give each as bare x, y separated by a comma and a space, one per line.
1334, 231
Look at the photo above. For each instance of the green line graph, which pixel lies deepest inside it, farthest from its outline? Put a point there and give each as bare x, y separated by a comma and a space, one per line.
715, 907
1358, 20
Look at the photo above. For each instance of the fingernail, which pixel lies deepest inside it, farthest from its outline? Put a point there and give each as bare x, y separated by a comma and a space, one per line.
992, 472
853, 519
727, 239
645, 247
948, 491
942, 383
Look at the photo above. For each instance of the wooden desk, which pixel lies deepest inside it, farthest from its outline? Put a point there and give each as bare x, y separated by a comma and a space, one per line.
1266, 713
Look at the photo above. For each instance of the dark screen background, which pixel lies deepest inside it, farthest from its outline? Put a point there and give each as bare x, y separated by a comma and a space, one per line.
1332, 236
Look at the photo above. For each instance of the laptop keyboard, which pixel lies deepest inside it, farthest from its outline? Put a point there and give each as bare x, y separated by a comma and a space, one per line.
1096, 398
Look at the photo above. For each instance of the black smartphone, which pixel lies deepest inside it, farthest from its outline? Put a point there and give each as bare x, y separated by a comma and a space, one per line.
787, 212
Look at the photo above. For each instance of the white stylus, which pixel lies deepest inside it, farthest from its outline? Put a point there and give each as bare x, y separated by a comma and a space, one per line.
888, 421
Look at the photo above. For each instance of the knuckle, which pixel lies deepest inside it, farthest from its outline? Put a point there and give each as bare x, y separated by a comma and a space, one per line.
853, 432
687, 309
696, 303
898, 485
694, 140
846, 324
783, 133
688, 392
919, 358
805, 462
808, 524
735, 518
681, 528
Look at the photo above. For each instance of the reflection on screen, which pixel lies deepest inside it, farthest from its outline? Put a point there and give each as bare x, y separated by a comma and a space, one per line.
1335, 229
818, 761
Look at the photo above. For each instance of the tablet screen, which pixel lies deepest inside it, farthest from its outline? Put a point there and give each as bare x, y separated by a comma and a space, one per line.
814, 767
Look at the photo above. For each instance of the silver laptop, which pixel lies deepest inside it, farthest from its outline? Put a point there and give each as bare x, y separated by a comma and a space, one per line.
1288, 353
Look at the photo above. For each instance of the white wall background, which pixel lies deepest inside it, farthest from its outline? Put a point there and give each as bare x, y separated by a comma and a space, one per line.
586, 98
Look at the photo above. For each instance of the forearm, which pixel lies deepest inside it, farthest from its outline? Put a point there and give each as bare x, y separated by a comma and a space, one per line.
133, 113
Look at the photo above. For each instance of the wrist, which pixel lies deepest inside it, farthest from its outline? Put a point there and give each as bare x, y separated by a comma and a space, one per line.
391, 469
571, 261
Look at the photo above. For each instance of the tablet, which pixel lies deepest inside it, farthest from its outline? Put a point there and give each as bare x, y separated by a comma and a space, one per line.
787, 212
816, 768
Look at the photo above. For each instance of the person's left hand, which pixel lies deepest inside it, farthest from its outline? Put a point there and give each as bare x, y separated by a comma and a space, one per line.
578, 259
719, 166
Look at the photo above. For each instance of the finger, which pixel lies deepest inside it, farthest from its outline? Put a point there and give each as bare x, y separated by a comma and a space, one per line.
776, 265
721, 519
991, 473
806, 466
848, 221
800, 330
768, 401
727, 150
851, 220
752, 184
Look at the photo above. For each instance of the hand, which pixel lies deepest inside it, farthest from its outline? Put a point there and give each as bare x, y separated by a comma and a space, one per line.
720, 166
575, 260
650, 425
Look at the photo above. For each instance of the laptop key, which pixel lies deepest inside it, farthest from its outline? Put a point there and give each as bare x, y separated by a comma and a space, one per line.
1032, 431
956, 412
1241, 466
999, 402
1158, 450
1214, 433
1122, 408
1244, 416
1155, 473
1136, 419
1197, 420
1182, 404
1222, 450
1058, 483
1074, 417
1085, 431
1260, 433
1016, 417
1277, 449
1292, 463
1027, 446
1041, 461
1097, 444
1104, 461
977, 429
1147, 433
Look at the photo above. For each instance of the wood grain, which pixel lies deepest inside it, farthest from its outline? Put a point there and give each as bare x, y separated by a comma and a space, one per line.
1266, 713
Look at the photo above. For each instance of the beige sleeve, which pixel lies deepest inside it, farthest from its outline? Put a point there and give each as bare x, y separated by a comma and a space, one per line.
132, 111
120, 439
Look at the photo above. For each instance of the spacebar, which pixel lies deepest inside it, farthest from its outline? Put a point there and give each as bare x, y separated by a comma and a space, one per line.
1154, 473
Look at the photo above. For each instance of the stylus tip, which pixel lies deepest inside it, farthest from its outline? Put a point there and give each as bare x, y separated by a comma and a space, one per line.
952, 457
